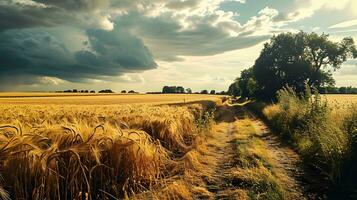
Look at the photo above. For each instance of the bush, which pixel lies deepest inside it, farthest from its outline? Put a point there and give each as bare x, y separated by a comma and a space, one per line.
306, 121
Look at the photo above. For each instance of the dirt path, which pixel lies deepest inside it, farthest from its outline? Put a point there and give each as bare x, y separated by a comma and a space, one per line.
288, 161
220, 184
287, 164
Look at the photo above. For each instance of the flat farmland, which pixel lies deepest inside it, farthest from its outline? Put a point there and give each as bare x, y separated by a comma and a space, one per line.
100, 99
340, 101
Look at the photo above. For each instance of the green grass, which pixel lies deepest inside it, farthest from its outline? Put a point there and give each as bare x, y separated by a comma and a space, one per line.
256, 172
323, 135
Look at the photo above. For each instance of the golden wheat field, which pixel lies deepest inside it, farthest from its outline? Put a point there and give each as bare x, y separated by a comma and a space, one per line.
100, 99
340, 102
98, 148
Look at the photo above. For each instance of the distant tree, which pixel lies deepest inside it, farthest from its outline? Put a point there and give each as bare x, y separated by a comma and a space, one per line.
166, 89
92, 91
180, 89
204, 92
106, 91
342, 90
86, 91
75, 90
212, 92
244, 86
188, 91
131, 92
336, 90
173, 89
234, 89
123, 91
295, 59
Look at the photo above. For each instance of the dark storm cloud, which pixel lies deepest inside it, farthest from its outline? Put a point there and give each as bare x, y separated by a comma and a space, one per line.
12, 17
50, 13
109, 53
76, 5
28, 52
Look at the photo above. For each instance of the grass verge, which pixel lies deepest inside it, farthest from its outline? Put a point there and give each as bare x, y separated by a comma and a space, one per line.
256, 170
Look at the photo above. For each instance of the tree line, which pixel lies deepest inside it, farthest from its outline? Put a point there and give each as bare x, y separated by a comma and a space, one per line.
338, 90
100, 91
294, 60
182, 90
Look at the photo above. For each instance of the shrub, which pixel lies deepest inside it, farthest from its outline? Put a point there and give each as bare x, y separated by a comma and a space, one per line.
306, 121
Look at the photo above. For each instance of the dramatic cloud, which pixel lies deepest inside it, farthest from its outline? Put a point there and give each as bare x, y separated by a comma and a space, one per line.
38, 54
95, 41
120, 36
168, 39
39, 13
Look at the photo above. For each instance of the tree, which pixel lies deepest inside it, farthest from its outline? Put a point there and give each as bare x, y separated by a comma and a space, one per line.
247, 83
188, 91
204, 92
223, 93
180, 89
166, 89
342, 90
131, 92
296, 59
106, 91
173, 89
212, 92
123, 91
234, 89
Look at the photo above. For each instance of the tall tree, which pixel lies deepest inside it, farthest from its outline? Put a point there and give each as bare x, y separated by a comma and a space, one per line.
295, 59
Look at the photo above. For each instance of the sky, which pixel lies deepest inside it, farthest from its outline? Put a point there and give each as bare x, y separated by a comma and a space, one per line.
142, 45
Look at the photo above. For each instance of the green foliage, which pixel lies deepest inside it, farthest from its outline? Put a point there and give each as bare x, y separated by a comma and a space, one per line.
265, 189
338, 90
188, 91
173, 89
244, 86
307, 122
234, 89
204, 92
295, 59
204, 122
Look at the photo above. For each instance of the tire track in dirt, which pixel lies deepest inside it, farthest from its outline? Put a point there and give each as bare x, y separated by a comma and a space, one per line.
287, 160
220, 184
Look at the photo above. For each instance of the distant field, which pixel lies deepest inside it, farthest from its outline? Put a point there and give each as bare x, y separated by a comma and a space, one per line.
341, 101
100, 99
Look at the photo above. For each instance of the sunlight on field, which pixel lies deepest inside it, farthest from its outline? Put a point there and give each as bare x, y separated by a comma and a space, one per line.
100, 99
340, 102
98, 146
342, 98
